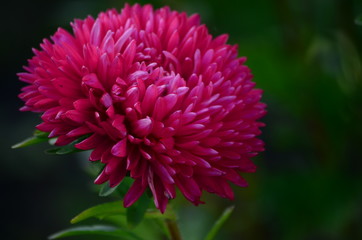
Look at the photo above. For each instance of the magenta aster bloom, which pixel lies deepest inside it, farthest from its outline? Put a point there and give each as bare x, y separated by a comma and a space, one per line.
160, 98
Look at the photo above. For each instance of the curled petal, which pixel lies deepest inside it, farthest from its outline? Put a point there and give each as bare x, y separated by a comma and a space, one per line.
120, 148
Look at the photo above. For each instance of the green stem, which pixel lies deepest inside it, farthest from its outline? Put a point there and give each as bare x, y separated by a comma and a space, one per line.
172, 226
173, 229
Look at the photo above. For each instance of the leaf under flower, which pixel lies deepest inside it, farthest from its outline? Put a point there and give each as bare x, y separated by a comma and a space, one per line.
137, 211
106, 190
116, 208
217, 225
100, 230
38, 137
101, 211
67, 149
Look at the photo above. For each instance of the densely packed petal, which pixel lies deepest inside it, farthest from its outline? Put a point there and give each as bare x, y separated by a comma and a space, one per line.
158, 96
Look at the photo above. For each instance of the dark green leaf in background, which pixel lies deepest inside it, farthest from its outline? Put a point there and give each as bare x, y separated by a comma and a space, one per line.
358, 20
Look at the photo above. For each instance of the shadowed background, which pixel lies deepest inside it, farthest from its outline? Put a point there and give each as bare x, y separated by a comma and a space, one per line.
305, 55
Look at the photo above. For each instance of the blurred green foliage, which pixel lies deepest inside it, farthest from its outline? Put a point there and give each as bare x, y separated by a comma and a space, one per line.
304, 54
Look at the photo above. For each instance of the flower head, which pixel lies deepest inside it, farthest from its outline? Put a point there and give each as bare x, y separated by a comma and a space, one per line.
160, 98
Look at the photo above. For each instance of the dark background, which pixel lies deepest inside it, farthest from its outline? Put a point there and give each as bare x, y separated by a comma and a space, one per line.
305, 54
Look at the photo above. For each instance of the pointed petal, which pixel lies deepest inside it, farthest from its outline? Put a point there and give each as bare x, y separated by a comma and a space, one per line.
134, 193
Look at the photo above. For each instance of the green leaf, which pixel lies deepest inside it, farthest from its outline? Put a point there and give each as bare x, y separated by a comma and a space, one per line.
101, 230
358, 20
116, 208
106, 190
101, 211
40, 134
63, 150
38, 137
224, 216
67, 149
136, 212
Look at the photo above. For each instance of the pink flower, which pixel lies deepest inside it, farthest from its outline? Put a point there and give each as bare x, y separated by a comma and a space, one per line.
162, 100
